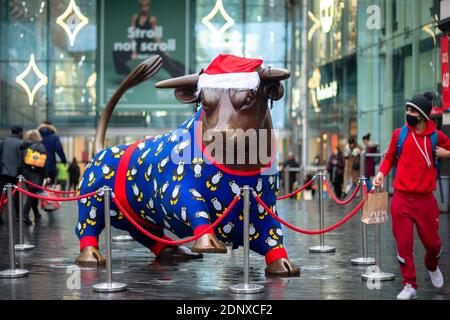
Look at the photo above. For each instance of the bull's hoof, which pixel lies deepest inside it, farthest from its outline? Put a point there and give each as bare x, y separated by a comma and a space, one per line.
208, 243
282, 268
178, 253
90, 257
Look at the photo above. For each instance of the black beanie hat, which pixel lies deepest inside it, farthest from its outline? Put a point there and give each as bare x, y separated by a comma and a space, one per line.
422, 103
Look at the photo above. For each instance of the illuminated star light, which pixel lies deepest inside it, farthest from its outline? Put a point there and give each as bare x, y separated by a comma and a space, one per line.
316, 26
42, 79
72, 8
228, 19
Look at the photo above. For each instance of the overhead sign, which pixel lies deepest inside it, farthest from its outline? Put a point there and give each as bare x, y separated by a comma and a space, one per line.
133, 31
327, 91
326, 14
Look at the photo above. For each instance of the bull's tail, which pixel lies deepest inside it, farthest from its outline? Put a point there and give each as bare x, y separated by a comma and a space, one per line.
141, 73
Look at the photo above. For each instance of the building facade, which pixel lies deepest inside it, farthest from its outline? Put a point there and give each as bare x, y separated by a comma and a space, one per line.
72, 54
363, 60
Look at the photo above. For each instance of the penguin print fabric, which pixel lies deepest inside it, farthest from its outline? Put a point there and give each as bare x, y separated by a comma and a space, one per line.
169, 184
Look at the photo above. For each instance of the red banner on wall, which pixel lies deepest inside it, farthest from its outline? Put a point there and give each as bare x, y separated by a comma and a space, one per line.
445, 73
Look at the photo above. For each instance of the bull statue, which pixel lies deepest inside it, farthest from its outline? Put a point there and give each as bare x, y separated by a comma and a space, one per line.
176, 181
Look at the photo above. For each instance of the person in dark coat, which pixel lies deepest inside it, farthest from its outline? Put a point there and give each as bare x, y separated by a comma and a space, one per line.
34, 173
371, 147
290, 163
335, 168
10, 156
53, 146
74, 174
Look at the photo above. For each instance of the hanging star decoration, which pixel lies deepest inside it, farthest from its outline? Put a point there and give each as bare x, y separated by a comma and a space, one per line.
218, 8
75, 15
20, 79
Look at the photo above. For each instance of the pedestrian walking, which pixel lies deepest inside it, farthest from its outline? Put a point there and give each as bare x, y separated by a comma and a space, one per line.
412, 150
33, 169
335, 169
290, 163
62, 175
53, 146
352, 154
11, 162
370, 147
74, 174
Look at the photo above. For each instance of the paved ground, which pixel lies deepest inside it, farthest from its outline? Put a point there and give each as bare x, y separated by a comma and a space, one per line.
324, 276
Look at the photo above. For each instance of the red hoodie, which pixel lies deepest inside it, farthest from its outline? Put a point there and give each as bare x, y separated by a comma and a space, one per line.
413, 174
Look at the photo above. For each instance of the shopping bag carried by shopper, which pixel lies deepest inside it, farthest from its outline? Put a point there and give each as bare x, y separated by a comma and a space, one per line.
50, 205
375, 208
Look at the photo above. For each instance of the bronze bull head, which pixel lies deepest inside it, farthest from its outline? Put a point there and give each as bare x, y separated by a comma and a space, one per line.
228, 110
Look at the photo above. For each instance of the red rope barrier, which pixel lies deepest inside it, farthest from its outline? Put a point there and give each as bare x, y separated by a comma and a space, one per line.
4, 199
53, 198
334, 226
335, 199
177, 242
47, 189
297, 191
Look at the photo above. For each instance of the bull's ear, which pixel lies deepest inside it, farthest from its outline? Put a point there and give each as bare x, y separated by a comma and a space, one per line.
185, 95
274, 90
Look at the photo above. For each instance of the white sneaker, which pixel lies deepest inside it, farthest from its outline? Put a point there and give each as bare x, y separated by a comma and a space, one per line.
436, 278
407, 293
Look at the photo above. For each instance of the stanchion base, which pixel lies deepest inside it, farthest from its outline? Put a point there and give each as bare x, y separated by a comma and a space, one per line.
23, 247
16, 273
124, 238
246, 288
322, 249
109, 287
363, 261
380, 276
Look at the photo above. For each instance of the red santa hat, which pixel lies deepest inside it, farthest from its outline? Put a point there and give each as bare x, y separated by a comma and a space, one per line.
227, 71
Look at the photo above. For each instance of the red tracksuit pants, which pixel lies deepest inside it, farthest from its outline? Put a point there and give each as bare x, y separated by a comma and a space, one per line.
422, 210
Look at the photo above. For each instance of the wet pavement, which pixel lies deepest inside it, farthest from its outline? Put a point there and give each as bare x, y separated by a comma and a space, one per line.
54, 276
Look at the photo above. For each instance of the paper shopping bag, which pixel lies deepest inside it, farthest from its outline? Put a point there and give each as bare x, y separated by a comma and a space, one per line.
307, 195
375, 208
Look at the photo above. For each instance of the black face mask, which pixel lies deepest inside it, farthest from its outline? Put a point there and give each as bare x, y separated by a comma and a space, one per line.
412, 120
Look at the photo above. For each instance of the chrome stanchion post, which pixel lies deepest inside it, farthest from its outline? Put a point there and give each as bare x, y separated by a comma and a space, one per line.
365, 260
322, 248
22, 246
376, 273
108, 286
286, 180
246, 287
12, 272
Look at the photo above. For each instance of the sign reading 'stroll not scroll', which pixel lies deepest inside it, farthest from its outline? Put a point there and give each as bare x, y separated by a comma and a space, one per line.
134, 30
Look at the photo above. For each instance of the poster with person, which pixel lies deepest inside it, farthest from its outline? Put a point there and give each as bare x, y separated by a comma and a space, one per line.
133, 31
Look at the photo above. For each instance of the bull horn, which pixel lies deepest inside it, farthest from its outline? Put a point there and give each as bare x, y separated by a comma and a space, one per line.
273, 74
188, 81
141, 73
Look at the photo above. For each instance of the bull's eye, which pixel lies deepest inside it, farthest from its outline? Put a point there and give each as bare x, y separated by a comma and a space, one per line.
249, 100
210, 100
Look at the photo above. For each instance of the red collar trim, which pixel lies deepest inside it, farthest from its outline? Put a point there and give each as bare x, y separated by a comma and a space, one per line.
120, 189
225, 169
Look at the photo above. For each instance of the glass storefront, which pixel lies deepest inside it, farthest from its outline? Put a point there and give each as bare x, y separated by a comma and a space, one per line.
365, 59
29, 31
82, 49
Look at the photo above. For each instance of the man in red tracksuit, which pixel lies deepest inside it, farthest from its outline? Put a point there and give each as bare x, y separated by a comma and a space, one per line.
413, 201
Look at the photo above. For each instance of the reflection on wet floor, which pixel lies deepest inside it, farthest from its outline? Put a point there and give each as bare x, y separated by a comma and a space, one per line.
323, 276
